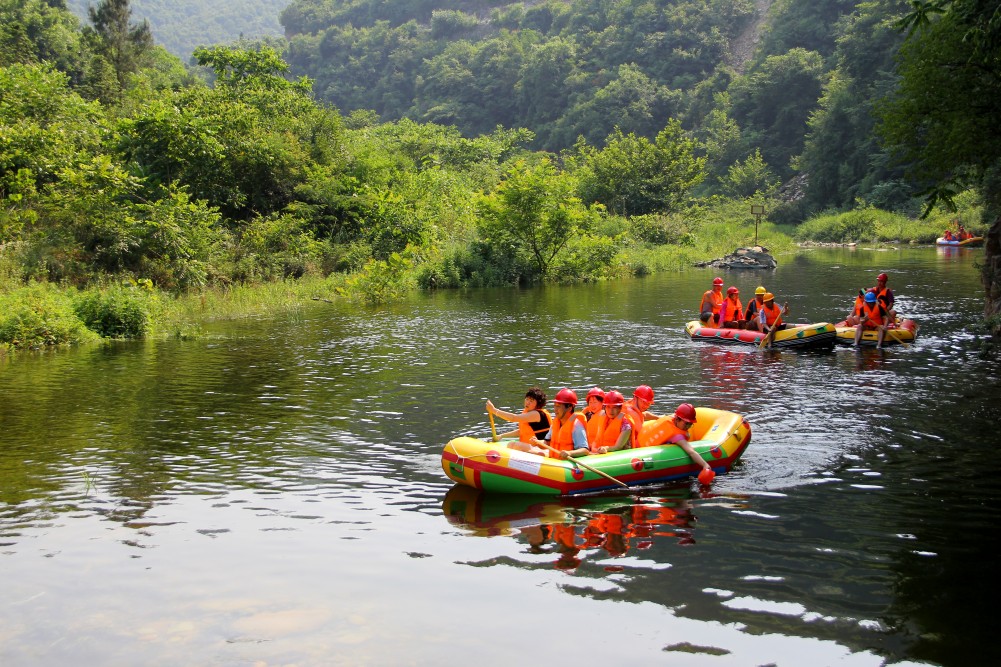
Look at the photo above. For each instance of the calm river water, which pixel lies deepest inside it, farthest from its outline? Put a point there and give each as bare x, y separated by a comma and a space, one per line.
271, 493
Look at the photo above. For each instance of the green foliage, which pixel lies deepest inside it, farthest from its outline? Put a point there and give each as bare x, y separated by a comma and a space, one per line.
114, 36
38, 315
634, 176
44, 127
773, 102
534, 211
95, 220
943, 122
122, 311
561, 69
874, 225
750, 177
382, 281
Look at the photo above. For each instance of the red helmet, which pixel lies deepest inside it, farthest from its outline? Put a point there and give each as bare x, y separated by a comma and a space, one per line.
882, 278
597, 391
685, 411
645, 392
566, 396
614, 398
717, 281
732, 290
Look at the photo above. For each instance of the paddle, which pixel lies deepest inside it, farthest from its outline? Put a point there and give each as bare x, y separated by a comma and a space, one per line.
585, 466
896, 335
493, 427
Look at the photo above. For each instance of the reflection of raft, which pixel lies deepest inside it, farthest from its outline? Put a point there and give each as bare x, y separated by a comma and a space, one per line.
972, 241
803, 336
905, 332
720, 437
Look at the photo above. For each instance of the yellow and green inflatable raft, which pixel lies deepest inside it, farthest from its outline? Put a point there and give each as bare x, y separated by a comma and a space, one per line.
720, 437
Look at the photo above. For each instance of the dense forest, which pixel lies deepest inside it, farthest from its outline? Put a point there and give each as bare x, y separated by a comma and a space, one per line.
181, 26
448, 144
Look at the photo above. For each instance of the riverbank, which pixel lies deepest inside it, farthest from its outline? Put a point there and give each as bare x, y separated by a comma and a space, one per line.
39, 315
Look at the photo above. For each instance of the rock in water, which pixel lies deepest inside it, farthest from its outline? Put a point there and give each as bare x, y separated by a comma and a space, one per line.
757, 257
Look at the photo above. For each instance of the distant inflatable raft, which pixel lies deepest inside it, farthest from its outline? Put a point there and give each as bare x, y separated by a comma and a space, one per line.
972, 241
720, 437
803, 336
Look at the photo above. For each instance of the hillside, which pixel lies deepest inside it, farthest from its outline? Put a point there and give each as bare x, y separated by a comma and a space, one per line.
181, 25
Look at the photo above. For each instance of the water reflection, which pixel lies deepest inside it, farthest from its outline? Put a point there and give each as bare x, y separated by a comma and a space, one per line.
277, 485
575, 528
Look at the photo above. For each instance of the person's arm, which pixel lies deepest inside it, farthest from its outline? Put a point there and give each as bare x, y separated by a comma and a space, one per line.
580, 447
625, 436
688, 449
532, 416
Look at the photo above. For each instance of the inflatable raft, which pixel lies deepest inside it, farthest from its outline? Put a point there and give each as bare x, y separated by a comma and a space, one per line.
905, 332
803, 336
720, 437
972, 241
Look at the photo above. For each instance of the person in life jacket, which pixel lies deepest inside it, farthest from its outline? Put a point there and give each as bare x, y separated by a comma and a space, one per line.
732, 310
594, 412
751, 314
948, 235
712, 304
533, 422
568, 431
770, 317
885, 297
616, 430
855, 314
684, 419
874, 316
637, 411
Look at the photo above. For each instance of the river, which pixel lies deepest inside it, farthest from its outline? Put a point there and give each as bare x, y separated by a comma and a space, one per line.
271, 492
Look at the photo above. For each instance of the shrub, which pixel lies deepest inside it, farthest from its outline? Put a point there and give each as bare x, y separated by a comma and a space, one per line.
40, 315
118, 312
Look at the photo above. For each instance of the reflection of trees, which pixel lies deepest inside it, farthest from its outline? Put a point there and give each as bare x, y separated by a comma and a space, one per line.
110, 428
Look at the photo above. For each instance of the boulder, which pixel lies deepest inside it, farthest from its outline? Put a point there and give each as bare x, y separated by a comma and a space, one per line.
756, 257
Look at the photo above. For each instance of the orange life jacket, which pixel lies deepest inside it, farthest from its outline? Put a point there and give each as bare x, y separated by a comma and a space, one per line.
876, 314
715, 300
752, 309
609, 434
595, 426
732, 311
635, 417
562, 439
529, 430
773, 315
660, 431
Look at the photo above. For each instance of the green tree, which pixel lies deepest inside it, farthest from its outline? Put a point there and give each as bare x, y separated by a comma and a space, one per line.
114, 35
944, 122
773, 102
533, 211
634, 176
750, 177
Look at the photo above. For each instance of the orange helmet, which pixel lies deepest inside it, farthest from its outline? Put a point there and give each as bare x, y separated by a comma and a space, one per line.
686, 411
614, 398
645, 392
566, 396
769, 296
